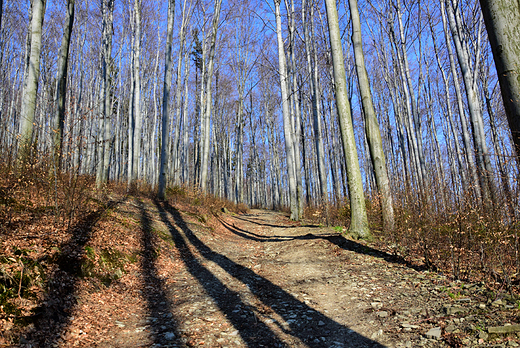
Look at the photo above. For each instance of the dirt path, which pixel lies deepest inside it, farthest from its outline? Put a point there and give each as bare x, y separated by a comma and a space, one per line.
268, 282
260, 280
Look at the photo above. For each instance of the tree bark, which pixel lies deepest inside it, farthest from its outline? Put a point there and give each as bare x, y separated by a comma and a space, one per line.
465, 130
107, 10
30, 87
138, 119
1, 12
502, 19
474, 104
312, 65
161, 193
288, 129
206, 121
359, 220
61, 86
373, 133
178, 91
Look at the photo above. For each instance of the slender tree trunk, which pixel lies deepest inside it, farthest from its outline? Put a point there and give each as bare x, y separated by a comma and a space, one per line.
474, 105
373, 133
295, 116
61, 86
288, 129
359, 220
316, 112
496, 146
131, 116
30, 87
177, 99
409, 116
465, 130
1, 12
105, 107
449, 116
239, 165
165, 102
184, 152
206, 122
502, 18
138, 119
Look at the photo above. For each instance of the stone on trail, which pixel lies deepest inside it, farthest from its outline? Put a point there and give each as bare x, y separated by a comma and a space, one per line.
170, 336
504, 329
434, 333
377, 334
451, 310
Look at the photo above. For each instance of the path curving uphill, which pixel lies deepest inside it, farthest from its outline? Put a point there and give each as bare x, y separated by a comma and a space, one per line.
259, 280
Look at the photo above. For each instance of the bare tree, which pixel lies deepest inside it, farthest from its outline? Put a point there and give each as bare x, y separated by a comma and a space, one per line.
1, 12
371, 123
61, 85
31, 78
207, 106
107, 11
165, 102
502, 18
288, 129
359, 219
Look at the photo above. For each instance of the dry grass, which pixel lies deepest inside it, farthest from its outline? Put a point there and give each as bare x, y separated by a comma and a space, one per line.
459, 238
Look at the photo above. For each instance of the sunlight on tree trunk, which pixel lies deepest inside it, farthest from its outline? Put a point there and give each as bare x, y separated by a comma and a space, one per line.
289, 144
502, 18
30, 88
105, 104
165, 102
359, 220
371, 123
61, 86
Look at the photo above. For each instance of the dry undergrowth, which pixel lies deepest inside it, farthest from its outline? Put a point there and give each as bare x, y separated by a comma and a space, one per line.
59, 235
463, 240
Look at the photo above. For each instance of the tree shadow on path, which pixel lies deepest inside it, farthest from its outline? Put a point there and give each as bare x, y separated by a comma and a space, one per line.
253, 218
335, 239
163, 328
298, 320
53, 317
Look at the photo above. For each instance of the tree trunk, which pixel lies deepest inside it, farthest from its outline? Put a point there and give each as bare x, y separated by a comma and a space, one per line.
165, 102
359, 220
465, 130
316, 112
177, 99
61, 86
206, 121
138, 119
371, 123
1, 12
295, 116
288, 129
474, 105
105, 107
502, 19
449, 117
30, 87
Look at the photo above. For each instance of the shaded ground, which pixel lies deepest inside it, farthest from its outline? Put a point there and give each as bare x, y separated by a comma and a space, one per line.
255, 280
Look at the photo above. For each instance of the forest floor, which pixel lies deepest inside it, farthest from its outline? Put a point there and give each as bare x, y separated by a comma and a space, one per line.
151, 274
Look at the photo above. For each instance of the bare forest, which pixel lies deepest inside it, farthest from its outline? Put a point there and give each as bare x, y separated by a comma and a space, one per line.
394, 124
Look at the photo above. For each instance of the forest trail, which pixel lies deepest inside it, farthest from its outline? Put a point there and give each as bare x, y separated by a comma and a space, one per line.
257, 280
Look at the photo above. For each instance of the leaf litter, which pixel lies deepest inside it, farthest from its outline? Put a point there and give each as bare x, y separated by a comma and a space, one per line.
142, 273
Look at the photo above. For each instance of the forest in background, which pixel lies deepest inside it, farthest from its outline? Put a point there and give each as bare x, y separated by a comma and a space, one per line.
448, 150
